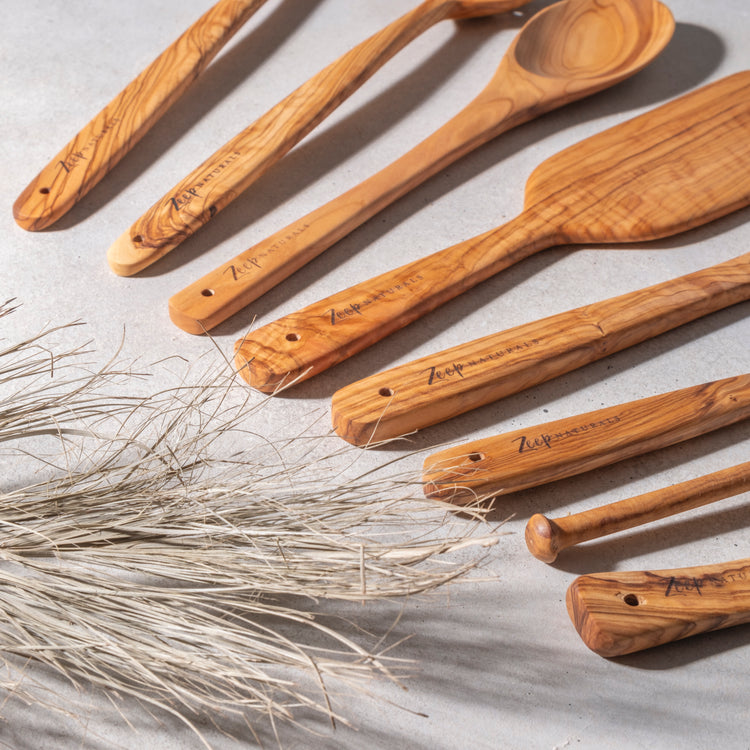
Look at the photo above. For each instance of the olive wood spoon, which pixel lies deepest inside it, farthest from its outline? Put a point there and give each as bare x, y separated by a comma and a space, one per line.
547, 537
622, 612
229, 171
675, 167
545, 67
537, 455
96, 149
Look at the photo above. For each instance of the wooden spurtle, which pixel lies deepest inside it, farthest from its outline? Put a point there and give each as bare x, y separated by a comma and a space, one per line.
229, 171
96, 149
675, 167
442, 385
547, 537
546, 66
544, 453
622, 612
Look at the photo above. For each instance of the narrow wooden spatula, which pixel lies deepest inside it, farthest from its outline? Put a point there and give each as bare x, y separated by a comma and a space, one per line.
623, 612
544, 453
673, 168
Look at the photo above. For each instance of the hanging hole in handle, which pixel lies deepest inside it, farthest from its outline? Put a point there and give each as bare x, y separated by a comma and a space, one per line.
474, 457
292, 337
44, 191
631, 600
385, 392
208, 292
137, 239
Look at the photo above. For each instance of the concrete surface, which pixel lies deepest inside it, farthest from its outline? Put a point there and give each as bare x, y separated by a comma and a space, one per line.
500, 664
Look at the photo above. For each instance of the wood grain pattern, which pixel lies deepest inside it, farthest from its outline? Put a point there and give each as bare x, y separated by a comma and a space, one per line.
622, 612
670, 169
229, 171
544, 453
544, 67
103, 142
440, 386
547, 537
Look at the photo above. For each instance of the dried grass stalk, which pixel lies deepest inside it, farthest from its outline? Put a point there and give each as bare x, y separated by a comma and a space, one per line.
158, 560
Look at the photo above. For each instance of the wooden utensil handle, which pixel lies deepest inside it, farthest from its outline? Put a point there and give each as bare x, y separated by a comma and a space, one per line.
102, 143
230, 287
547, 537
440, 386
230, 170
533, 456
325, 333
623, 612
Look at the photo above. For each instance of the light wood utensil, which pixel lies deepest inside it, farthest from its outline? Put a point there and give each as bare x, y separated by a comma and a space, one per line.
223, 176
545, 453
545, 67
675, 167
622, 612
442, 385
96, 149
547, 537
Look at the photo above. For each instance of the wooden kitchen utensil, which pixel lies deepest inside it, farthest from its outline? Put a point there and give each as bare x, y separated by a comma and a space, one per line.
442, 385
544, 453
546, 66
223, 176
675, 167
622, 612
96, 149
547, 537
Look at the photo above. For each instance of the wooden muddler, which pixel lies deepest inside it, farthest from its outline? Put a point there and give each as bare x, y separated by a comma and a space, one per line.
622, 612
546, 537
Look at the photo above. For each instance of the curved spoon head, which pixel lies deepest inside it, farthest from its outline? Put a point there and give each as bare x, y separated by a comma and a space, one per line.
591, 44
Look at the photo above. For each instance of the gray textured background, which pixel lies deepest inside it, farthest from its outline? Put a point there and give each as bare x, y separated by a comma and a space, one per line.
501, 666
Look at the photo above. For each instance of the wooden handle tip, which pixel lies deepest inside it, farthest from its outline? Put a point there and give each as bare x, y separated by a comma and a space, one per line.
186, 322
125, 257
253, 369
542, 538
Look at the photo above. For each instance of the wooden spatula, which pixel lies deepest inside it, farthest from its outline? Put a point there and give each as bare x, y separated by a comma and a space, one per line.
622, 612
675, 167
442, 385
539, 454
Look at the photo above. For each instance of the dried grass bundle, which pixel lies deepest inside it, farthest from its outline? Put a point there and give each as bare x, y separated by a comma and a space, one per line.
158, 559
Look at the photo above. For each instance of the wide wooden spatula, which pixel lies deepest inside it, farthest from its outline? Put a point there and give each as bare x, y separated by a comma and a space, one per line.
673, 168
623, 612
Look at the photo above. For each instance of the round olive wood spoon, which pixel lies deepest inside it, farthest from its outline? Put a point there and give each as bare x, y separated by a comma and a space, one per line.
540, 454
103, 142
547, 537
546, 66
230, 170
675, 167
622, 612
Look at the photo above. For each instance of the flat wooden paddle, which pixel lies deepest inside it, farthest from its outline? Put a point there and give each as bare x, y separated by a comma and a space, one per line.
673, 168
442, 385
536, 455
622, 612
103, 142
547, 537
